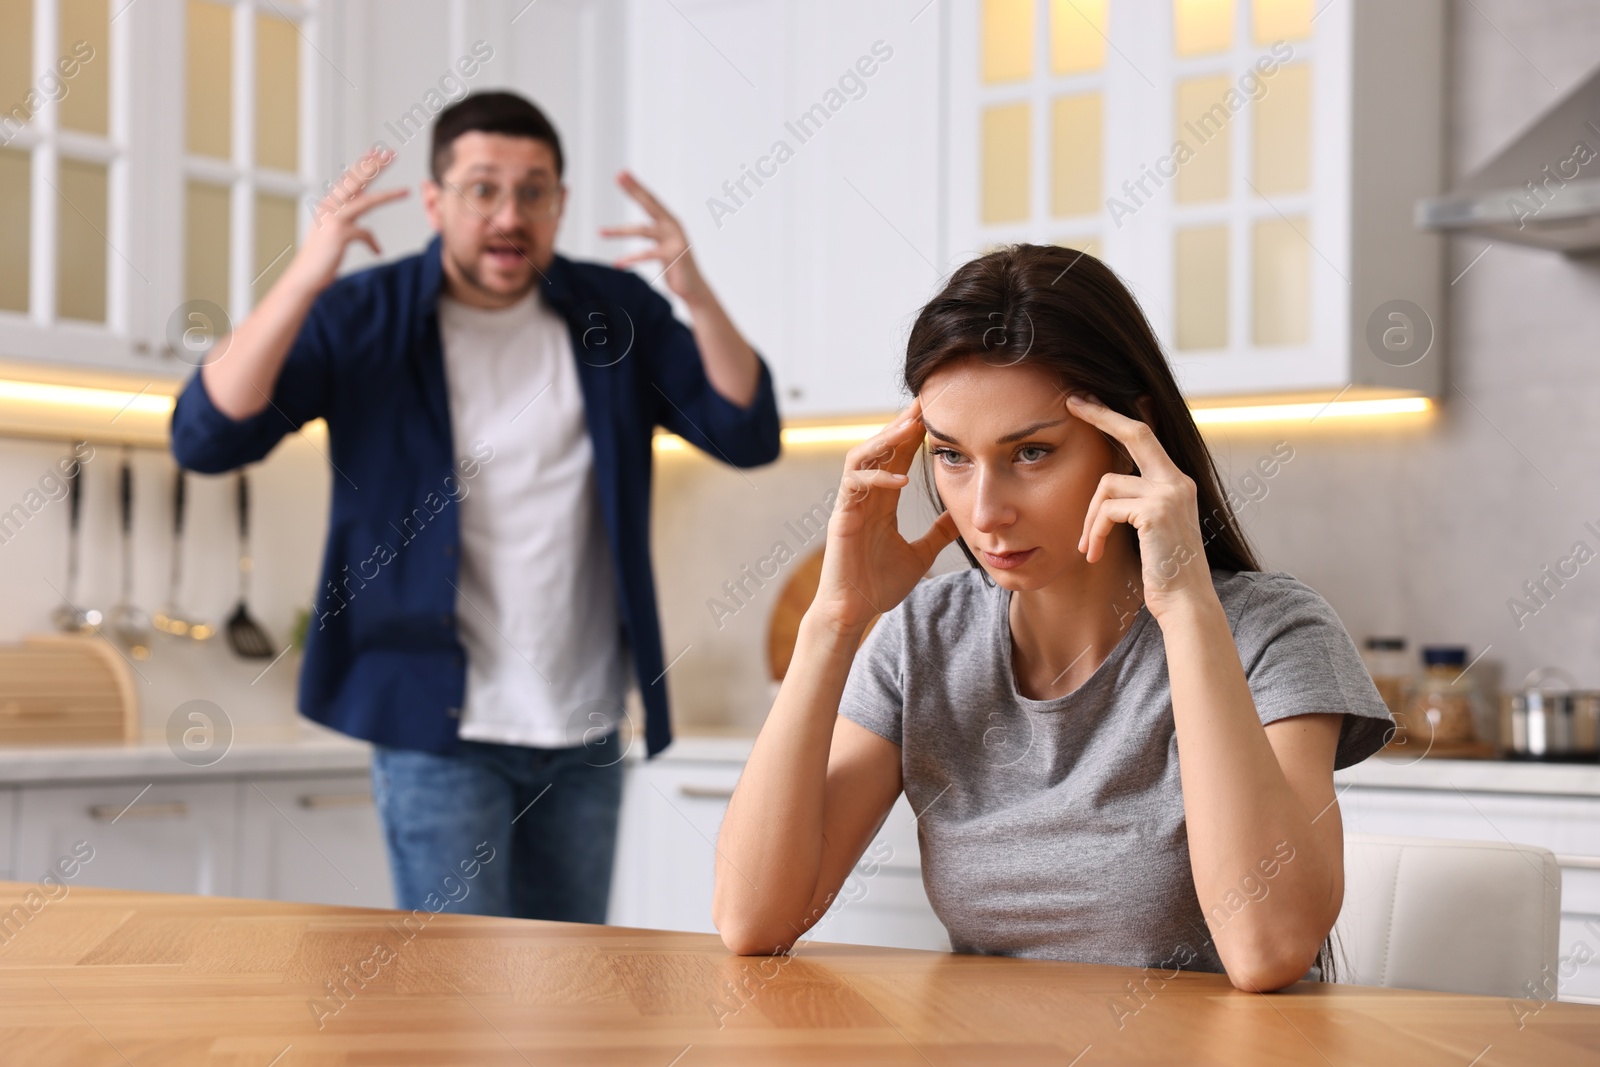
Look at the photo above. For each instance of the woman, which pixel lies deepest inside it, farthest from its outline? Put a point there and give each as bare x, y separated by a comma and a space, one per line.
1117, 733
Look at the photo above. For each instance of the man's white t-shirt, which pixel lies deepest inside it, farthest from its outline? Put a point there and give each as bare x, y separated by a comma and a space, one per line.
537, 607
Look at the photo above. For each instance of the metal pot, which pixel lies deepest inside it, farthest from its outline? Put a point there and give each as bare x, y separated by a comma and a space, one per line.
1554, 723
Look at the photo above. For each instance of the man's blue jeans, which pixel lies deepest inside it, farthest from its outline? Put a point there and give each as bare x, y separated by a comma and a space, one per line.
507, 830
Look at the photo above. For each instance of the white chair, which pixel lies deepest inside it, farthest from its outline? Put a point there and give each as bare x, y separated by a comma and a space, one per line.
1453, 916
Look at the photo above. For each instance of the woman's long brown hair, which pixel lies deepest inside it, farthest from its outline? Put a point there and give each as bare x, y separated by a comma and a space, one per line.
1064, 310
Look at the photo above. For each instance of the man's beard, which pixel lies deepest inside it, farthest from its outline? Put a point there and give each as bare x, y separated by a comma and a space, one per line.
471, 276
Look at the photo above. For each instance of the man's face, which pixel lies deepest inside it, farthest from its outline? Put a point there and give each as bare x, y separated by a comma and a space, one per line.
496, 210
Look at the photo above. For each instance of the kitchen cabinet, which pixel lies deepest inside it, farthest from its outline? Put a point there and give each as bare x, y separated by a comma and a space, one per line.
155, 186
161, 836
1248, 167
312, 839
315, 839
279, 821
1469, 801
798, 142
672, 809
666, 843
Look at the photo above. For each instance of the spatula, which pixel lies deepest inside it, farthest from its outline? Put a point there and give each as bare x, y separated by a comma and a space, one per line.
246, 637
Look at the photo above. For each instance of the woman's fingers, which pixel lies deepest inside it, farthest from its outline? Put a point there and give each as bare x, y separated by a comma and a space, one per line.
857, 484
892, 447
1104, 519
941, 533
879, 478
1135, 436
1111, 485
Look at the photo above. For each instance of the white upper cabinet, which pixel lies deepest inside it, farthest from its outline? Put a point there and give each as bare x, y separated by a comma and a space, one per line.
156, 159
1248, 166
799, 143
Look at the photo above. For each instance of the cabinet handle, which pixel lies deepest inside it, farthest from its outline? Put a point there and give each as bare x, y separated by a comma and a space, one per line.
171, 809
706, 792
315, 801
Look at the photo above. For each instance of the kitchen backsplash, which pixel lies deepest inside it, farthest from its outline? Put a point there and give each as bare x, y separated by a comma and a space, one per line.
289, 512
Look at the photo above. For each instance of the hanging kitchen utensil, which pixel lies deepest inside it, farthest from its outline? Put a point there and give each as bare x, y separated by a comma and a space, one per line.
172, 620
246, 637
129, 625
71, 617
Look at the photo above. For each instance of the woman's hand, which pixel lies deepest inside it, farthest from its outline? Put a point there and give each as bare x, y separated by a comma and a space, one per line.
867, 567
1158, 502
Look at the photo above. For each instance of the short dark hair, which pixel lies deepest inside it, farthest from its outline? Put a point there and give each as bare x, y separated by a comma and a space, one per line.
504, 113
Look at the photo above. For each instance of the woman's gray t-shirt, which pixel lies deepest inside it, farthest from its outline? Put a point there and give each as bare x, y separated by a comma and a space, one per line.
1055, 828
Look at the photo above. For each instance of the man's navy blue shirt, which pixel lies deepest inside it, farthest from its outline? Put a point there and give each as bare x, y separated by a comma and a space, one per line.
383, 658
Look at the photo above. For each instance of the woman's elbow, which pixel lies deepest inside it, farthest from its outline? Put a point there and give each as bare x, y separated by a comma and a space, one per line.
750, 939
1267, 969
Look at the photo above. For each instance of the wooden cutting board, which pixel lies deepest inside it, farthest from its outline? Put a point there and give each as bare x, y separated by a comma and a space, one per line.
784, 627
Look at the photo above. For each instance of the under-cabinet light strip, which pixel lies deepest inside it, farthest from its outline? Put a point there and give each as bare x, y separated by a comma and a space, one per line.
844, 433
856, 432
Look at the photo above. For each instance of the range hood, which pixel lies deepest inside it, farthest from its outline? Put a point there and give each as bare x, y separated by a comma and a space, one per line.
1543, 189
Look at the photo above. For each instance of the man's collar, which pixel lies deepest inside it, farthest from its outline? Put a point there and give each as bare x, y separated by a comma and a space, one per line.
555, 283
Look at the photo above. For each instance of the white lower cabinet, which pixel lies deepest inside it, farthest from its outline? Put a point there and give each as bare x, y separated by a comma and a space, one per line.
166, 837
666, 851
666, 844
313, 839
1569, 826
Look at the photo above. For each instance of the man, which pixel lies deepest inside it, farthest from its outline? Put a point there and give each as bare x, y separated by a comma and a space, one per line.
487, 578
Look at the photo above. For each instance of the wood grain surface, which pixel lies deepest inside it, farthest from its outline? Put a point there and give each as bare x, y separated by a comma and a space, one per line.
105, 977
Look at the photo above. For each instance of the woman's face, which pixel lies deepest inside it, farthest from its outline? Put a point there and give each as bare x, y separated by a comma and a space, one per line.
1014, 467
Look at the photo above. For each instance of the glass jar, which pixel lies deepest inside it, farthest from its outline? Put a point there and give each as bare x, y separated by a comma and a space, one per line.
1386, 661
1441, 711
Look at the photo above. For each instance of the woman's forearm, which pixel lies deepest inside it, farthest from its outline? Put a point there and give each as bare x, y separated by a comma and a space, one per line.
769, 851
1243, 815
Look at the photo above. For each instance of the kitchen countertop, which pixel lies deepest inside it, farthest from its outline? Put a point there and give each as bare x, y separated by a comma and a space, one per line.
1475, 775
305, 747
111, 977
302, 747
1490, 776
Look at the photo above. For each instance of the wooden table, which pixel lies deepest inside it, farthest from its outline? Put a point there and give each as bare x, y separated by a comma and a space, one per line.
104, 977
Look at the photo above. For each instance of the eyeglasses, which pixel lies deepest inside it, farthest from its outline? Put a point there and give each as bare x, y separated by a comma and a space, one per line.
486, 198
